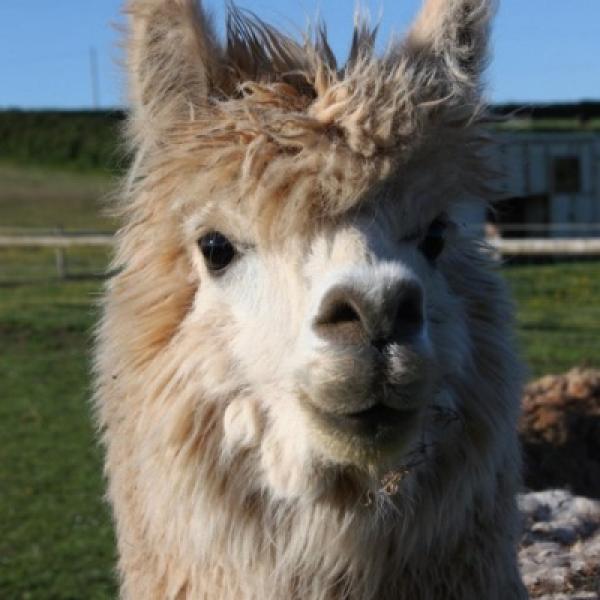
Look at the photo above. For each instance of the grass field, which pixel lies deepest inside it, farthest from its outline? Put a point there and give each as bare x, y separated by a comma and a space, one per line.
56, 540
55, 534
50, 198
558, 312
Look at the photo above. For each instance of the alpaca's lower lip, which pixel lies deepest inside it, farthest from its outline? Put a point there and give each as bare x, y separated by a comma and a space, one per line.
378, 421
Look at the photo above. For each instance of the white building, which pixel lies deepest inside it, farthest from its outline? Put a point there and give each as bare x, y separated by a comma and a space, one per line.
552, 184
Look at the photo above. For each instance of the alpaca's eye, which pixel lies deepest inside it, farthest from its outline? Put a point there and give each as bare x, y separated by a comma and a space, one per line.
433, 242
217, 250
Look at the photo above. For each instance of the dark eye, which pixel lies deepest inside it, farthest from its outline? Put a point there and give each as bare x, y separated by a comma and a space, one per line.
433, 242
217, 250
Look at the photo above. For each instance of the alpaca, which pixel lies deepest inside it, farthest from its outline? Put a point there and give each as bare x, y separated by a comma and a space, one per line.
305, 376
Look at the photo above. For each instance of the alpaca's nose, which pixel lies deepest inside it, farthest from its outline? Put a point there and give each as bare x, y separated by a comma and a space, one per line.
349, 315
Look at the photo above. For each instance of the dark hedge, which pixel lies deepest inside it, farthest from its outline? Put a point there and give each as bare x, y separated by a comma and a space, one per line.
74, 139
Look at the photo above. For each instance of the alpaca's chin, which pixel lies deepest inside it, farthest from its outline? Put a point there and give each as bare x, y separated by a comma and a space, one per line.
369, 438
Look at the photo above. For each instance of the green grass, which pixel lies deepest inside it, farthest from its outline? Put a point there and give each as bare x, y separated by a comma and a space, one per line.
21, 265
56, 539
50, 198
558, 314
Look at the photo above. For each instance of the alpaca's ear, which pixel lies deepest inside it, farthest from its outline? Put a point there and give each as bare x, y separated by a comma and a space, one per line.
173, 59
449, 41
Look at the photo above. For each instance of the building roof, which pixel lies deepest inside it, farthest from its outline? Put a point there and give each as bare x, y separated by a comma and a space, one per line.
578, 116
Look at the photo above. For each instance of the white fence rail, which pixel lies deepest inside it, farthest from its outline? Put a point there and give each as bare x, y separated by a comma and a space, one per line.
512, 246
546, 247
61, 240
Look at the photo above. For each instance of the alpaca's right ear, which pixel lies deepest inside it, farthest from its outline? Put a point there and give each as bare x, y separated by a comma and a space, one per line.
448, 43
173, 60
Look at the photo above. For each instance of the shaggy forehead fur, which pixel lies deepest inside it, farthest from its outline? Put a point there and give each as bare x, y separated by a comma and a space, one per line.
296, 134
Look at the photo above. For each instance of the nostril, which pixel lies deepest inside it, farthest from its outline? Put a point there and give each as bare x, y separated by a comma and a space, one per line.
409, 313
339, 320
340, 312
380, 344
349, 316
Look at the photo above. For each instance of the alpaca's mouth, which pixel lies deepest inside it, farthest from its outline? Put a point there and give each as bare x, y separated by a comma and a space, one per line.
378, 423
375, 422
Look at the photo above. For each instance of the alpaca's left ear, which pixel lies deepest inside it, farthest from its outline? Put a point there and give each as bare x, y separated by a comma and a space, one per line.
449, 44
173, 58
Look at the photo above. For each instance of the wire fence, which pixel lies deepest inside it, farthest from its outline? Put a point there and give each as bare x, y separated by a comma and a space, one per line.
29, 255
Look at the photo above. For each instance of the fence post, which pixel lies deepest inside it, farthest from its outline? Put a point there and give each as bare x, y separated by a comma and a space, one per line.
61, 257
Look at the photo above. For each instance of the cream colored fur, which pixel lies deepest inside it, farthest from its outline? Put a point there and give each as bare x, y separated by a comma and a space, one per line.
225, 481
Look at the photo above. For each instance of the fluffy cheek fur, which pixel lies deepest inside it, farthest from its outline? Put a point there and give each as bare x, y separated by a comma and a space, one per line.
261, 415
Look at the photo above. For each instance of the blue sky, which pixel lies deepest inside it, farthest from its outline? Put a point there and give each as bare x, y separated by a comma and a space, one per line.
544, 50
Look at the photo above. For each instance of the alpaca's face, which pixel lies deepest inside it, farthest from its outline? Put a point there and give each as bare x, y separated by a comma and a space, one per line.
328, 347
338, 340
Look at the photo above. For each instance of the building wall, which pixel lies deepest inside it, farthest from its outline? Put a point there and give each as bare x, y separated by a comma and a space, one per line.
539, 172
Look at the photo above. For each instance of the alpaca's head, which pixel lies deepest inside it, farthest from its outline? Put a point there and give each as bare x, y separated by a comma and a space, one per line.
300, 295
